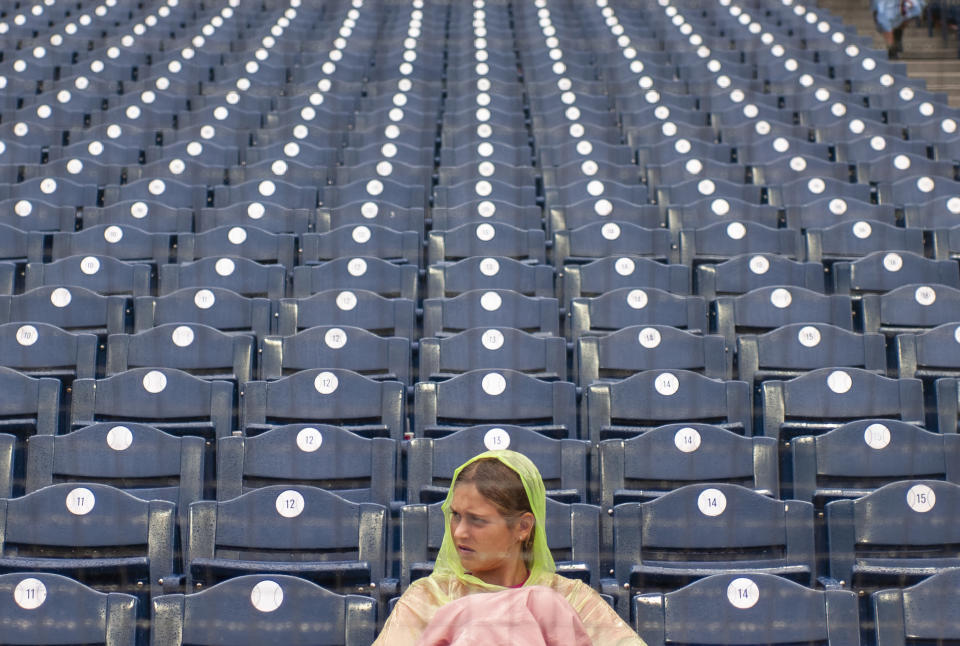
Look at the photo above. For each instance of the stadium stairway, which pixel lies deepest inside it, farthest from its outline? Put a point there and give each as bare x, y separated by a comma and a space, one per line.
927, 56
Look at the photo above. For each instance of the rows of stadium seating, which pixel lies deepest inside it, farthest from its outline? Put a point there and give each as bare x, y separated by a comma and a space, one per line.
269, 271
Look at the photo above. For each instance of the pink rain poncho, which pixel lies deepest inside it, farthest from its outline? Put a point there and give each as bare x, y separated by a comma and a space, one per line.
454, 608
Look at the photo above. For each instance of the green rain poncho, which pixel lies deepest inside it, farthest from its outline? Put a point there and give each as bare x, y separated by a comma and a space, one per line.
449, 581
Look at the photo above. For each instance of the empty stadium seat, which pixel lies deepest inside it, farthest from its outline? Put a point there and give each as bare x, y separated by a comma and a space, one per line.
216, 307
356, 468
916, 612
198, 349
492, 348
44, 608
350, 348
856, 458
747, 608
128, 542
913, 522
335, 396
652, 398
795, 349
170, 399
256, 608
495, 396
637, 348
323, 538
724, 529
357, 308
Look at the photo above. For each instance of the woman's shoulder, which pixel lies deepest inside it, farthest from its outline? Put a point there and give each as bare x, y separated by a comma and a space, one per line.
574, 590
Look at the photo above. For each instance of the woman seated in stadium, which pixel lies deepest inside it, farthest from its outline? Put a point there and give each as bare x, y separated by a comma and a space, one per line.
494, 582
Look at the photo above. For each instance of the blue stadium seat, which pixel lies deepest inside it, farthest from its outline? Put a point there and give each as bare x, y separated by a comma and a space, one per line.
897, 311
350, 348
148, 215
172, 400
906, 615
852, 240
44, 608
856, 458
483, 348
136, 458
249, 242
263, 215
668, 457
368, 212
624, 306
704, 529
216, 307
913, 522
198, 349
767, 308
490, 308
652, 398
126, 543
601, 239
724, 240
241, 275
746, 272
495, 396
102, 274
357, 308
286, 608
829, 211
636, 348
361, 240
367, 273
319, 455
43, 350
323, 538
122, 242
883, 271
928, 355
486, 239
340, 397
826, 398
797, 348
747, 608
477, 272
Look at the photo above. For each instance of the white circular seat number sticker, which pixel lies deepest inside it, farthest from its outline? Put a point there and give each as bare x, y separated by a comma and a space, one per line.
492, 339
687, 439
154, 382
266, 596
743, 593
496, 439
877, 436
119, 438
27, 335
80, 501
326, 383
30, 594
494, 384
335, 338
309, 440
667, 384
839, 382
711, 502
290, 503
921, 498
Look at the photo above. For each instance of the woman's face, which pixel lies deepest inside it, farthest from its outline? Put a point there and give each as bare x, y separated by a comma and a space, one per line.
488, 547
